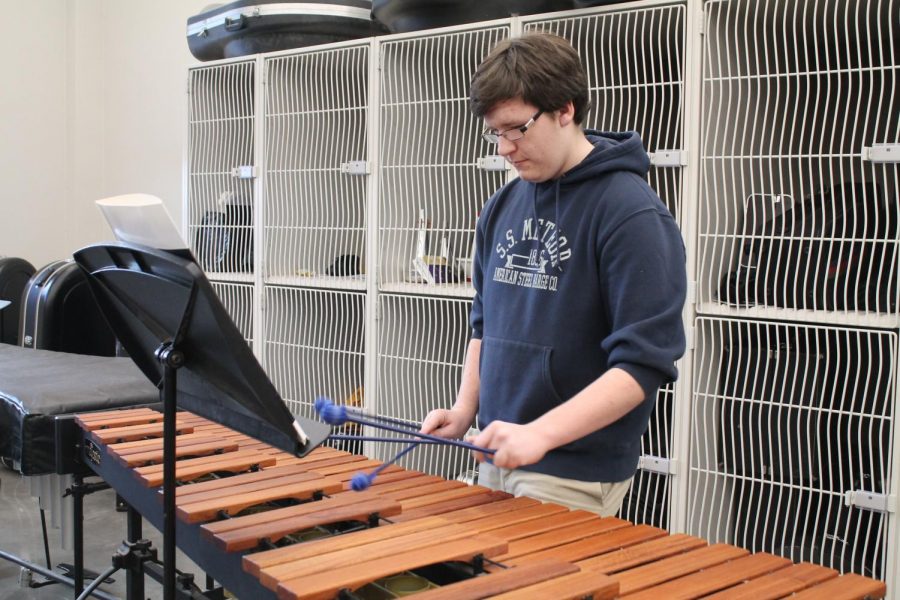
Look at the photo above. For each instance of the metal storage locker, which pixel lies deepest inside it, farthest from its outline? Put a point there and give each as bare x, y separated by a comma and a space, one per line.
792, 434
220, 169
798, 212
315, 346
791, 440
421, 346
316, 184
238, 299
432, 169
432, 187
634, 59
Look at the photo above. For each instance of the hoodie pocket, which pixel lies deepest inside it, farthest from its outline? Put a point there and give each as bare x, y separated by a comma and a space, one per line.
516, 384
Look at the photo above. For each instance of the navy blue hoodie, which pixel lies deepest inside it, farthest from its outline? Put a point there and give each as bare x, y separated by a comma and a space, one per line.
572, 277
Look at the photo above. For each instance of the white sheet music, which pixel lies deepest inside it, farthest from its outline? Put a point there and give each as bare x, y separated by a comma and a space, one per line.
141, 219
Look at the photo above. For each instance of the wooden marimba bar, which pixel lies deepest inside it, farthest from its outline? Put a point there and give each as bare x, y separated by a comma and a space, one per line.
476, 542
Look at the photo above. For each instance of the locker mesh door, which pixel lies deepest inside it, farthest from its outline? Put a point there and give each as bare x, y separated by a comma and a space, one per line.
315, 120
790, 424
238, 301
634, 62
431, 186
421, 347
797, 221
315, 345
219, 170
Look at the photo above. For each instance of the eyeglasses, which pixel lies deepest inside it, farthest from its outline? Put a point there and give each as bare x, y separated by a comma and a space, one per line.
512, 134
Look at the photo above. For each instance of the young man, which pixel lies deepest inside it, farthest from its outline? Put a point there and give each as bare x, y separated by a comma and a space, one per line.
580, 281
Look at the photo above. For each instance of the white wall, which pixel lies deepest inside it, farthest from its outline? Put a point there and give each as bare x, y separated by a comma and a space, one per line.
33, 151
92, 104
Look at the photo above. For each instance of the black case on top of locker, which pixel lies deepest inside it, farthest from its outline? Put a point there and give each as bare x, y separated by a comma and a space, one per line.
401, 16
14, 276
251, 27
59, 313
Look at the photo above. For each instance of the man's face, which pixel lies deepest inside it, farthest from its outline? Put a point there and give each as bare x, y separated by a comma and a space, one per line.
539, 154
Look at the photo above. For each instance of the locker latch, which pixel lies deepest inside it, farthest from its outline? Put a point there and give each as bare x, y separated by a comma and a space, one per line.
657, 464
492, 162
882, 153
355, 167
244, 172
873, 501
668, 158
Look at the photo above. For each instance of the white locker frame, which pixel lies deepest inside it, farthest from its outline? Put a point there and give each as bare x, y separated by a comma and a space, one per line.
682, 429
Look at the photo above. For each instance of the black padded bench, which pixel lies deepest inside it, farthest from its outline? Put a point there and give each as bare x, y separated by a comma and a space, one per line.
36, 386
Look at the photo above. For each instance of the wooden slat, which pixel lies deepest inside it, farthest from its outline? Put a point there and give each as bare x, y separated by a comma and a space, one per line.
520, 515
634, 556
507, 580
537, 526
403, 483
254, 563
450, 505
492, 510
849, 586
425, 489
324, 586
453, 494
591, 584
186, 470
239, 489
349, 467
420, 540
233, 503
220, 527
715, 578
135, 432
247, 538
778, 584
594, 545
117, 422
658, 572
388, 477
561, 535
327, 461
126, 448
151, 457
225, 483
84, 419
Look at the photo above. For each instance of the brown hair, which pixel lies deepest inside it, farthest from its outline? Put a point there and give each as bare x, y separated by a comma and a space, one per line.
540, 68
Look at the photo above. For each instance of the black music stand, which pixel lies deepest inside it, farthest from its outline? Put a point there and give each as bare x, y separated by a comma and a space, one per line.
169, 319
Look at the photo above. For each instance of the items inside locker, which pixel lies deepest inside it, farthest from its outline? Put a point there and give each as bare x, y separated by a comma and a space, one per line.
832, 250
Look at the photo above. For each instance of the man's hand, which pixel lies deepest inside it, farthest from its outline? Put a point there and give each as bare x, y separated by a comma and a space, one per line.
515, 445
451, 424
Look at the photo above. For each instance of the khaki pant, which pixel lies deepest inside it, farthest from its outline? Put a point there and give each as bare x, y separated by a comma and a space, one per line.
602, 498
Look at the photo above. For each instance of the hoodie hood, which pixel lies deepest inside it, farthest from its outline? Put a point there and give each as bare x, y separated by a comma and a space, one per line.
613, 151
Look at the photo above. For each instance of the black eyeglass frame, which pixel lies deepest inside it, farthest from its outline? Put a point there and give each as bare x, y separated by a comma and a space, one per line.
493, 137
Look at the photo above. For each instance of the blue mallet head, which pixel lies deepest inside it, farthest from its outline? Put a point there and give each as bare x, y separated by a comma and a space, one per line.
330, 412
360, 482
320, 403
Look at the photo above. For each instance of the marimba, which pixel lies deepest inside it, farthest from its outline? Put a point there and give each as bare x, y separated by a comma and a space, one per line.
265, 524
